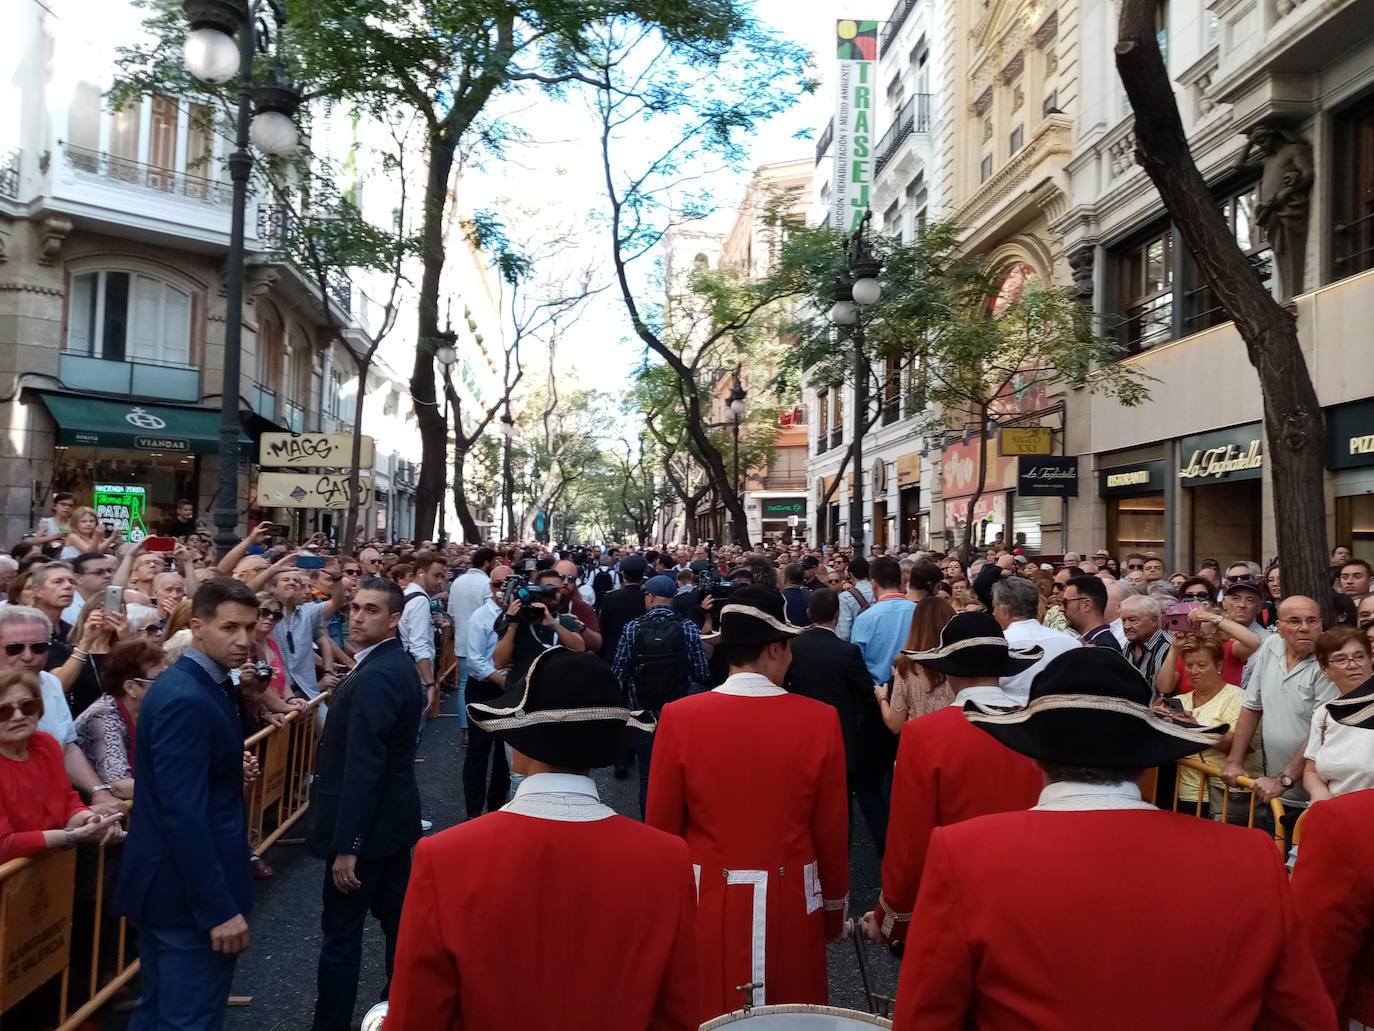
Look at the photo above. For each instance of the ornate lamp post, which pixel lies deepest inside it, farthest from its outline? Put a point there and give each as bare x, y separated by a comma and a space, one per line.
737, 405
445, 353
213, 55
507, 429
857, 288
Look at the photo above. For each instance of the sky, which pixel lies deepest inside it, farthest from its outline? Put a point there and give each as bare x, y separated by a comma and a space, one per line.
556, 178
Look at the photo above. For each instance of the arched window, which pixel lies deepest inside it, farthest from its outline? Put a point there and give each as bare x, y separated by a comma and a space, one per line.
267, 368
129, 316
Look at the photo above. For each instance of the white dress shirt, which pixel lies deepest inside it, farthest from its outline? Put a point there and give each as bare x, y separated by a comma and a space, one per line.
565, 797
481, 640
1031, 633
417, 627
1069, 796
986, 694
749, 685
468, 593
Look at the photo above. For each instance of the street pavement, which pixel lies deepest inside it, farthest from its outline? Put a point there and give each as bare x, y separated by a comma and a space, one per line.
278, 971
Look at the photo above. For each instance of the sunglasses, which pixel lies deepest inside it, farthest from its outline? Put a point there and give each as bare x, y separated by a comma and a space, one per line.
28, 707
41, 648
1197, 596
1135, 565
273, 614
353, 572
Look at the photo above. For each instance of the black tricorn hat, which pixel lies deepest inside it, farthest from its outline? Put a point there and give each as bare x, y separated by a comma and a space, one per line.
567, 711
1089, 707
972, 645
754, 615
1355, 709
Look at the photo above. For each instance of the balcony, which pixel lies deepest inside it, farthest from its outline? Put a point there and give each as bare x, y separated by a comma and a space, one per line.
263, 400
100, 165
1354, 247
279, 232
293, 416
913, 119
9, 175
135, 379
895, 21
827, 138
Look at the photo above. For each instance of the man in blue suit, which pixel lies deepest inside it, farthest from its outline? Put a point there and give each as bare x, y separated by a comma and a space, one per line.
365, 802
185, 879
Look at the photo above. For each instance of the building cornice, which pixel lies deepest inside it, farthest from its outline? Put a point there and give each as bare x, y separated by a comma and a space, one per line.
1054, 139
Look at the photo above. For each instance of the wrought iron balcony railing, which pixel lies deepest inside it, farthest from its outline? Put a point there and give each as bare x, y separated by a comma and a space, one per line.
100, 165
9, 175
912, 118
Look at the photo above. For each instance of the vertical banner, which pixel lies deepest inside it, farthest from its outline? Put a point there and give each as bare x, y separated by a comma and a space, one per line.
857, 50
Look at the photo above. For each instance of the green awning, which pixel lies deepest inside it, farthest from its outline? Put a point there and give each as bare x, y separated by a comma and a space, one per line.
92, 422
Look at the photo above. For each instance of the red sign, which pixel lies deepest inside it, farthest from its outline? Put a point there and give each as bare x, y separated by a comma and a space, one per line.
959, 469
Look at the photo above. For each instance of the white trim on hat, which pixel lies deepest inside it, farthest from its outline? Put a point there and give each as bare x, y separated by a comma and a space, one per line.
520, 719
750, 610
972, 642
1091, 703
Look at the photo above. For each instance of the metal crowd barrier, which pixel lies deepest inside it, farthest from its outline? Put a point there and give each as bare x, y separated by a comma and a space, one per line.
1210, 776
48, 932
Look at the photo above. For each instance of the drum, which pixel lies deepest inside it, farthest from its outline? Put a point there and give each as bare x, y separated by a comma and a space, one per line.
798, 1017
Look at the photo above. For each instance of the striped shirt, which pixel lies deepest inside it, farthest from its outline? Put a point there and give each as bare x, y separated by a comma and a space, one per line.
1147, 657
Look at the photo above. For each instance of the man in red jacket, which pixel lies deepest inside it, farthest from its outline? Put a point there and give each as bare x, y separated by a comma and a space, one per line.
553, 914
1333, 881
1064, 917
946, 770
754, 779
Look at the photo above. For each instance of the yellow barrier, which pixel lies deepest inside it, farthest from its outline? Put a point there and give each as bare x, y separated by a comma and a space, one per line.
1209, 774
38, 895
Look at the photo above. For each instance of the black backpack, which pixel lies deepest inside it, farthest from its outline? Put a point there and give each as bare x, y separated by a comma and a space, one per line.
660, 662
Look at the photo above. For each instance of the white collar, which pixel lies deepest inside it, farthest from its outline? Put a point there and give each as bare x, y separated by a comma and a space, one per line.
561, 797
1074, 796
818, 626
749, 685
359, 656
985, 694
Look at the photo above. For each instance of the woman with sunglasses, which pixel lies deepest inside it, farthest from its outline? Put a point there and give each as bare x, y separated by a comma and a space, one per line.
1340, 759
39, 811
105, 731
1232, 628
269, 699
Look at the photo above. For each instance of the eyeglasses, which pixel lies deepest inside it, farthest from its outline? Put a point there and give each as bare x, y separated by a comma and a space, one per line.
569, 579
1197, 596
1343, 661
152, 630
28, 707
1296, 623
353, 572
12, 650
273, 614
1135, 565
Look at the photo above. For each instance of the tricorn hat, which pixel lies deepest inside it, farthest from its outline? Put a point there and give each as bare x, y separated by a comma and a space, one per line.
752, 616
567, 711
1355, 709
972, 645
1089, 707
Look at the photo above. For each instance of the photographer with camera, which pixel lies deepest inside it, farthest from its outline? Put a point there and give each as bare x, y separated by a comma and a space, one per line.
530, 626
572, 603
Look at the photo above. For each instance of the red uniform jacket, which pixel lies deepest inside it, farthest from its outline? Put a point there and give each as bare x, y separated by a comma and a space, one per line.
1062, 921
516, 922
947, 771
756, 785
1333, 883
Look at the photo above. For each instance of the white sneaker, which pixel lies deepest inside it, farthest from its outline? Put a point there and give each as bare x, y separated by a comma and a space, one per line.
426, 826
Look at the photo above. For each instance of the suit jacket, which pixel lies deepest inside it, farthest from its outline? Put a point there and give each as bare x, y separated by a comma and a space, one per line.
1060, 921
365, 799
833, 671
617, 609
1103, 637
185, 861
547, 924
1333, 883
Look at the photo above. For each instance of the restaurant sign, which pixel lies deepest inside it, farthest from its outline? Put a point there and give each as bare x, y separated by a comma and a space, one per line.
1047, 476
120, 507
1226, 456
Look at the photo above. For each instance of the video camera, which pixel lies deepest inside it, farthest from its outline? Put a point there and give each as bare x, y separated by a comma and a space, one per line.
520, 589
717, 586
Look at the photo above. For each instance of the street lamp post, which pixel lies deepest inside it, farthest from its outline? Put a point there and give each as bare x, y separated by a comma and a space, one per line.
737, 405
856, 288
508, 435
445, 353
264, 118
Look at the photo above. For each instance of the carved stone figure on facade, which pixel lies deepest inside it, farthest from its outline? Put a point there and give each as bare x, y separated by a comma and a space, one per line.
1284, 203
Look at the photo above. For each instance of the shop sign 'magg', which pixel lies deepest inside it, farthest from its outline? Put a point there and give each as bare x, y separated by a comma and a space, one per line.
1225, 456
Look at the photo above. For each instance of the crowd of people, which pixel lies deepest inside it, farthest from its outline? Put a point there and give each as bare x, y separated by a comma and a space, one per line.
766, 700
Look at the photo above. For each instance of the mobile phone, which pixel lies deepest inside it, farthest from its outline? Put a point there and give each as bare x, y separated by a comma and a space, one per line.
309, 562
1176, 620
114, 598
159, 544
1176, 704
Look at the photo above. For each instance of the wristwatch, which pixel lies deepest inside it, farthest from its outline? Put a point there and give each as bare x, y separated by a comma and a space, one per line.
1286, 781
99, 788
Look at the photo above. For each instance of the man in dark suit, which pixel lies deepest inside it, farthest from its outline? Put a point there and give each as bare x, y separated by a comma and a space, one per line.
619, 607
832, 671
185, 878
1085, 606
366, 804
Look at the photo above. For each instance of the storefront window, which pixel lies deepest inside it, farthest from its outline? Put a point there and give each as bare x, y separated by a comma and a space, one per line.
1355, 525
1136, 524
166, 477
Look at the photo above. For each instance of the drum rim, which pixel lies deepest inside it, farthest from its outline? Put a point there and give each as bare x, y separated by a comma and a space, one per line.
829, 1011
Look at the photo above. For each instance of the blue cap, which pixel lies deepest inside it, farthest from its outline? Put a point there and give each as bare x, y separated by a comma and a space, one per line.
661, 586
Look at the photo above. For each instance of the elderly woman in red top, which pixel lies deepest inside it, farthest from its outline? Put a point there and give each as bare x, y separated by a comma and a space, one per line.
38, 808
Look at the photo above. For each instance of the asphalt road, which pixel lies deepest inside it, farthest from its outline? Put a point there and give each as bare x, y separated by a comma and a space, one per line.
278, 971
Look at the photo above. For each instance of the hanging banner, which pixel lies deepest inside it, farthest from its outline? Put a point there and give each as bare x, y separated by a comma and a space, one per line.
857, 50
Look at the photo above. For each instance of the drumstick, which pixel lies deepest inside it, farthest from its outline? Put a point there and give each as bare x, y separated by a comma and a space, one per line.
863, 964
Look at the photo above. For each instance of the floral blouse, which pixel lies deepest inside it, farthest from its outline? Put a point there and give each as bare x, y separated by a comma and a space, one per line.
104, 738
913, 696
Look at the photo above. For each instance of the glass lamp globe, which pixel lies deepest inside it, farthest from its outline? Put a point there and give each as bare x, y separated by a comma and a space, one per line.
737, 406
843, 313
211, 56
273, 133
446, 354
507, 427
867, 291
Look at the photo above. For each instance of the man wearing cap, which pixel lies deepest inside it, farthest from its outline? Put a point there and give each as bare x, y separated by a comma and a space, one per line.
659, 659
1333, 881
1056, 918
754, 779
564, 914
947, 771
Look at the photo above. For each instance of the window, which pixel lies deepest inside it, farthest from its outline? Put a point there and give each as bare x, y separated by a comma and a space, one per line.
1353, 189
199, 150
892, 218
823, 426
1018, 138
124, 132
268, 365
127, 316
1146, 285
1201, 309
787, 464
985, 169
837, 422
892, 389
1051, 104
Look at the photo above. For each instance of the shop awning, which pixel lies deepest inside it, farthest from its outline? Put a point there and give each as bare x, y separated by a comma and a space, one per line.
92, 422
